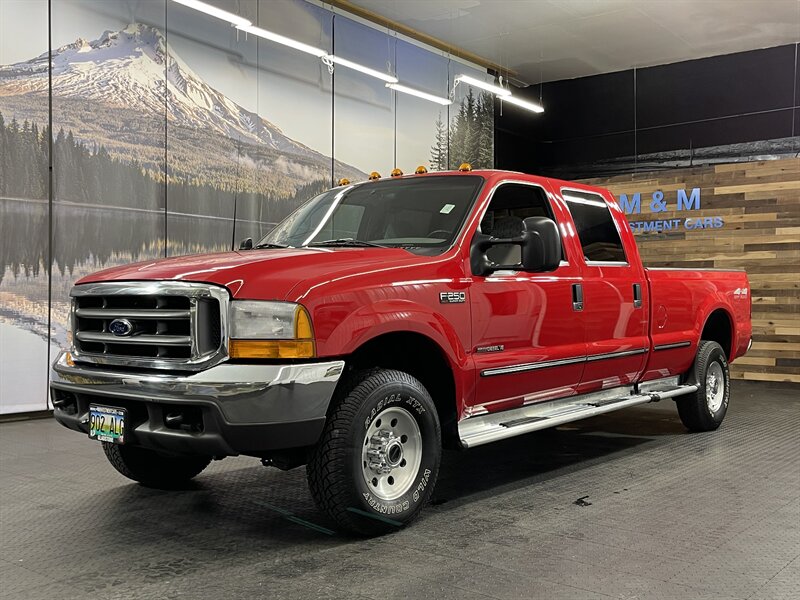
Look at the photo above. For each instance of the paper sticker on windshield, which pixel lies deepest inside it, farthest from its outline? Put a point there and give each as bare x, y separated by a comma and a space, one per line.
447, 209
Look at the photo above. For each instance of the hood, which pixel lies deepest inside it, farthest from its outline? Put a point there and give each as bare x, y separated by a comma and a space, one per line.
269, 274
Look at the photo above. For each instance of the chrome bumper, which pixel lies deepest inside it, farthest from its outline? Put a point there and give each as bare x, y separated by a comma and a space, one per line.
245, 408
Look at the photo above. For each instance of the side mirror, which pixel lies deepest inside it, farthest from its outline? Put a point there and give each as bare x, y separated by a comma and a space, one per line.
541, 248
246, 244
540, 243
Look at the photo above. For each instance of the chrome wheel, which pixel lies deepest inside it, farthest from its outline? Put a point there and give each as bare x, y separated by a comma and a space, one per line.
391, 453
715, 386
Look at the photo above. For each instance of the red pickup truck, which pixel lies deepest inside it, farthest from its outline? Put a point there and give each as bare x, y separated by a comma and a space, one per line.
384, 320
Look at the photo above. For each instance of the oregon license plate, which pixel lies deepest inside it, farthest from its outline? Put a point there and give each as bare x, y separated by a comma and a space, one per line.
107, 423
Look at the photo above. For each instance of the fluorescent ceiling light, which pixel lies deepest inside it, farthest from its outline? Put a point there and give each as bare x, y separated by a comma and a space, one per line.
495, 89
279, 39
407, 90
537, 108
215, 12
357, 67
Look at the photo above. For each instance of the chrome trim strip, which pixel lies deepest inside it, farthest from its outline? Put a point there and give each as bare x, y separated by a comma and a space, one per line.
671, 346
532, 366
606, 263
594, 357
154, 340
130, 313
521, 368
695, 269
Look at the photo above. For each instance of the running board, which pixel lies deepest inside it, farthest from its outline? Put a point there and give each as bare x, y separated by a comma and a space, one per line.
478, 430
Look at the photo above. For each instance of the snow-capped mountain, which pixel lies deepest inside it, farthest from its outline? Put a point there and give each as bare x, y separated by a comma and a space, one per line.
126, 70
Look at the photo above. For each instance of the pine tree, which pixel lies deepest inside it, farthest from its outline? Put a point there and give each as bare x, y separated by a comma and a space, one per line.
439, 148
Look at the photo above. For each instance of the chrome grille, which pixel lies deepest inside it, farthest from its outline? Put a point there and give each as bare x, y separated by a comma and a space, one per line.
167, 325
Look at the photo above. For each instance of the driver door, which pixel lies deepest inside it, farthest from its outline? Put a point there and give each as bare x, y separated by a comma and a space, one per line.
528, 339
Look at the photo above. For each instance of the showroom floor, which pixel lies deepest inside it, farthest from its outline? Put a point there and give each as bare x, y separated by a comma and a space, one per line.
626, 505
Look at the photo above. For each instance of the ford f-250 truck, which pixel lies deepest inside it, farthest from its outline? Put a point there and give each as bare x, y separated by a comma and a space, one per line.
384, 320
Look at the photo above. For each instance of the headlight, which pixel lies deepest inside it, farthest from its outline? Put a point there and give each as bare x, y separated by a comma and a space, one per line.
266, 329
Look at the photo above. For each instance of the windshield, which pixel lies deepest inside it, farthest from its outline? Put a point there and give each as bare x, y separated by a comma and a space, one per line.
417, 213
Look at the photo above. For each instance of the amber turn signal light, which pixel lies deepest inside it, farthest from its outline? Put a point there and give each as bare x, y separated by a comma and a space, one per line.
271, 349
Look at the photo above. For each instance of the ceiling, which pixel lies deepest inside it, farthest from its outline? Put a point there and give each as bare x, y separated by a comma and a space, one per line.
547, 40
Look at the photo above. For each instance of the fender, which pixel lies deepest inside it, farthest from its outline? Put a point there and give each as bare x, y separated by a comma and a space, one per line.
403, 316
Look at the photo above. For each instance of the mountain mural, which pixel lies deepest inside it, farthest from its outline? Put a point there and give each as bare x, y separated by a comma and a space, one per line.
116, 91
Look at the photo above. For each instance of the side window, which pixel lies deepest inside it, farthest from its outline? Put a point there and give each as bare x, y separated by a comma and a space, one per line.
510, 205
596, 230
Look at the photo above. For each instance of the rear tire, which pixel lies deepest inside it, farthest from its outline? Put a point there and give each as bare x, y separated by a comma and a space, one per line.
376, 464
153, 469
705, 409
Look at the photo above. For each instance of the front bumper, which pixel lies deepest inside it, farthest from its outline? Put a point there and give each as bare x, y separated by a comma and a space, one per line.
226, 410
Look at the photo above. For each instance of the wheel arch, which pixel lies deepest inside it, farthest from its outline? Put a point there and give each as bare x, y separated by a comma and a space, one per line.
423, 358
718, 327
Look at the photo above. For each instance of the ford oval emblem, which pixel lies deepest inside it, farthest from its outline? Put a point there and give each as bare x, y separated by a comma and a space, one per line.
120, 327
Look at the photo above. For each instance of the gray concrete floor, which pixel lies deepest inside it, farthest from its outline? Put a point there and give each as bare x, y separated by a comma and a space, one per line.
668, 515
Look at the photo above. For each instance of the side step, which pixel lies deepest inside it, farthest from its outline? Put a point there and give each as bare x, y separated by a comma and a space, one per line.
491, 427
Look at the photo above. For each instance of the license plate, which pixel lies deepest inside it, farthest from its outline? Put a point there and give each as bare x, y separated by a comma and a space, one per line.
107, 423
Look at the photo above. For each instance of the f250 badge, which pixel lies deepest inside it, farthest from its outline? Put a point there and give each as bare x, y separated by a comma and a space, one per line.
452, 297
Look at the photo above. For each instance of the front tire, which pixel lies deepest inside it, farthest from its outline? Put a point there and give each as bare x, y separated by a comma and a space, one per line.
376, 463
705, 409
153, 469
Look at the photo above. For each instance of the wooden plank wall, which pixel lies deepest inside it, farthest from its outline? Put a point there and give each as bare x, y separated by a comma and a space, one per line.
760, 205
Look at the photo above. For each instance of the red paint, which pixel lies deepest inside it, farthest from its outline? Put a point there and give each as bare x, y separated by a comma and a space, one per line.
357, 294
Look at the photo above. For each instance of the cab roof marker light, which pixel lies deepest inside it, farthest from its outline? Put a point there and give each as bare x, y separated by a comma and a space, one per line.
424, 95
357, 67
489, 87
213, 11
280, 39
537, 108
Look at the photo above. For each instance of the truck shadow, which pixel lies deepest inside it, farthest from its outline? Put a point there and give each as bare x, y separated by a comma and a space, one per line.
537, 457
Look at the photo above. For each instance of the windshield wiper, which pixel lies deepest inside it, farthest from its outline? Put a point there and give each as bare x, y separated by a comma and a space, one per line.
347, 242
269, 245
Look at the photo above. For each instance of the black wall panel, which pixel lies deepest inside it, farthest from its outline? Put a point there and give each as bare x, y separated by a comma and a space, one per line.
615, 120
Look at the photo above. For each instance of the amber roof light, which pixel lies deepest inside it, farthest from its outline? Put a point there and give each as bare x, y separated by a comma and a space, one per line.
374, 175
344, 181
420, 170
396, 173
465, 167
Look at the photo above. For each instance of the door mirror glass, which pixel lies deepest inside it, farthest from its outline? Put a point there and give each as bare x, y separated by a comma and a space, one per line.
246, 244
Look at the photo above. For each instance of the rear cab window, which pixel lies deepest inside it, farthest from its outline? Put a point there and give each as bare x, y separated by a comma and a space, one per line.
595, 226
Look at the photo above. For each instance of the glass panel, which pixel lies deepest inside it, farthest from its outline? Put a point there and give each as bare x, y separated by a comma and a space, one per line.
421, 124
364, 111
24, 212
294, 99
471, 121
214, 133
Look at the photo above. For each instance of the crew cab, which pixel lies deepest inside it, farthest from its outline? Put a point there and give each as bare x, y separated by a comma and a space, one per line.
385, 320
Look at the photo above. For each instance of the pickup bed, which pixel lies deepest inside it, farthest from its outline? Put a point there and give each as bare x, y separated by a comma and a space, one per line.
384, 320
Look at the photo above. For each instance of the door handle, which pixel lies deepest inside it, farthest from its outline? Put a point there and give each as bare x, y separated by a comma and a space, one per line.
577, 296
637, 295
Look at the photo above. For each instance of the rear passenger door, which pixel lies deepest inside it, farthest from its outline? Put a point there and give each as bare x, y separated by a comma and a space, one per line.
614, 288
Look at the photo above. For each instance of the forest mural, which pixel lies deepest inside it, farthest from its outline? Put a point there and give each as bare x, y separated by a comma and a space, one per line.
162, 148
